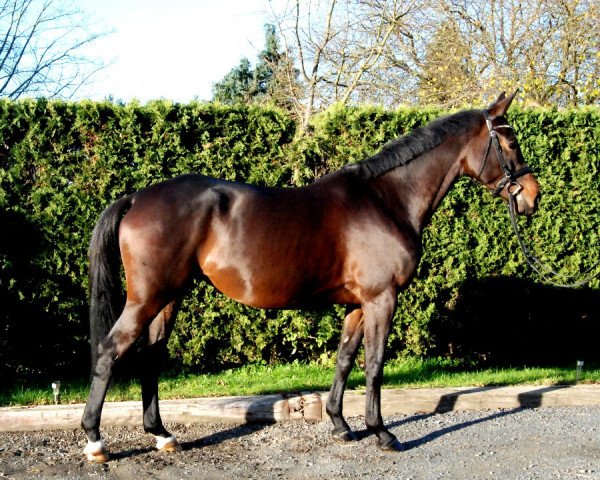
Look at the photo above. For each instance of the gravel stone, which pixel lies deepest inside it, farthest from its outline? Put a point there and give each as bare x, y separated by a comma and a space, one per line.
543, 443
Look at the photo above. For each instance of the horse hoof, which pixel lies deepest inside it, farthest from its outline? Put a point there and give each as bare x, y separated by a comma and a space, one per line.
168, 444
392, 445
98, 457
345, 436
95, 452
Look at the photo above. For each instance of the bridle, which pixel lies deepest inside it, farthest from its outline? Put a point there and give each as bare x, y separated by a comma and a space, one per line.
510, 174
514, 188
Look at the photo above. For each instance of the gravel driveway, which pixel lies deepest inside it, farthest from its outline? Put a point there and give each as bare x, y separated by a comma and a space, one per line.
541, 443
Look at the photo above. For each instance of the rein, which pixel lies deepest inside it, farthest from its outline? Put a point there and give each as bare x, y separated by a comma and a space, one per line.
509, 181
536, 264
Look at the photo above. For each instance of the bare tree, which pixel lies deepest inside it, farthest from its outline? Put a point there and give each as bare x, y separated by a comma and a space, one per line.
440, 52
41, 49
548, 48
338, 45
364, 50
572, 51
305, 37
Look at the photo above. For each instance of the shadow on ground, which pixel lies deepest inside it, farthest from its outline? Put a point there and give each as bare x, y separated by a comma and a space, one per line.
508, 321
529, 399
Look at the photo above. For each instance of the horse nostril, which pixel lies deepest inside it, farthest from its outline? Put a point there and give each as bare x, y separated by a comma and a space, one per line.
536, 202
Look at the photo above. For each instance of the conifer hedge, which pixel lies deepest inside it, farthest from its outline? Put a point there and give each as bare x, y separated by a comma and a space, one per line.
61, 163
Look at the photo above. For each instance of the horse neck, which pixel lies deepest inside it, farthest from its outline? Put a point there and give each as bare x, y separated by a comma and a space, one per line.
412, 192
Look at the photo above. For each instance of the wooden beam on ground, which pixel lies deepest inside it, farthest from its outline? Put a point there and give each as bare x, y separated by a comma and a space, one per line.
261, 408
307, 406
440, 400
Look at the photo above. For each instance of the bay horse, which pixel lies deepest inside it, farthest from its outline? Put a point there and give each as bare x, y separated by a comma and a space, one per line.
353, 237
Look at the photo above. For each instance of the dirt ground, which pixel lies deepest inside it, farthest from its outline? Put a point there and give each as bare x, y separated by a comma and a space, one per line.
542, 443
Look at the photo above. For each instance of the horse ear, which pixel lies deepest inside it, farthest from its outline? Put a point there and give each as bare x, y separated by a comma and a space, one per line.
500, 106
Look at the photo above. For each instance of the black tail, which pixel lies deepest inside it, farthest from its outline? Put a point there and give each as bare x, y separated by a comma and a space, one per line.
106, 293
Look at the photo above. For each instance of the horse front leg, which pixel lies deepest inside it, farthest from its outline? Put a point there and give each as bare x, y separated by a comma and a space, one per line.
352, 333
154, 355
378, 317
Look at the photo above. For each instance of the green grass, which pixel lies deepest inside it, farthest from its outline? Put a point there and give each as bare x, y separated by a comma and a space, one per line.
255, 380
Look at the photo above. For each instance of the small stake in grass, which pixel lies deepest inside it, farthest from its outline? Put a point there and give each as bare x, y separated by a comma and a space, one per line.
56, 391
578, 370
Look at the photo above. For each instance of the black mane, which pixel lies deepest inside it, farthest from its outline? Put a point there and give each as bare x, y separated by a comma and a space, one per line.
406, 148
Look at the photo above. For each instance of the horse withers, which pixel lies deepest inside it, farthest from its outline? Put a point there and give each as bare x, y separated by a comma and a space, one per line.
353, 237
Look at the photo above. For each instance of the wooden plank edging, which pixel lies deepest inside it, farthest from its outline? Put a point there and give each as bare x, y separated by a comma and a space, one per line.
261, 408
306, 405
440, 400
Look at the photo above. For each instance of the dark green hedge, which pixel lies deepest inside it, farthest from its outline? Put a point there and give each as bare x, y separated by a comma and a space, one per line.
62, 163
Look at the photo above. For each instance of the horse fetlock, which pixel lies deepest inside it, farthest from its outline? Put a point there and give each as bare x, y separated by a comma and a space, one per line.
389, 443
90, 427
344, 435
153, 424
333, 410
375, 426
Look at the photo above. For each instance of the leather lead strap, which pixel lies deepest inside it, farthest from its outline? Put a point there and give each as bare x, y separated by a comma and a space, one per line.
536, 264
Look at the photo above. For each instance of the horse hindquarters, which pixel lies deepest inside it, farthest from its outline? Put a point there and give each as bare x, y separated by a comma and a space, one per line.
157, 265
104, 275
105, 293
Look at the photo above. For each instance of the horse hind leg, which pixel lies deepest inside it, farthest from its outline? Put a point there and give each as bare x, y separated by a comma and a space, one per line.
352, 334
127, 329
154, 354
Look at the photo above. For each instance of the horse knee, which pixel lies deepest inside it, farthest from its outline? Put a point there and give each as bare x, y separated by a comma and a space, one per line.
104, 366
344, 361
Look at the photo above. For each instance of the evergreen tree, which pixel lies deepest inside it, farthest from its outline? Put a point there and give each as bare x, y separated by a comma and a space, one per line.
243, 84
236, 86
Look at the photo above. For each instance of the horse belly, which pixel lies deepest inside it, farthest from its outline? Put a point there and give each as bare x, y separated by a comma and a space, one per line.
271, 250
267, 278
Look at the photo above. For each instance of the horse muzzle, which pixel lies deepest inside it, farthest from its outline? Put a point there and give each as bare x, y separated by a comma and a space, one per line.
526, 204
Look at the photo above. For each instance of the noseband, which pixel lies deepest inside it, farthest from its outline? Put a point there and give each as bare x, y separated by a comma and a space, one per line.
510, 174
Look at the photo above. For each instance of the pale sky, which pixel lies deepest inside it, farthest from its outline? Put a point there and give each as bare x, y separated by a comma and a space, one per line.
173, 49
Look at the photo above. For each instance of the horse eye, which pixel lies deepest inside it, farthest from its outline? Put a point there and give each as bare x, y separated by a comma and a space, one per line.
513, 145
